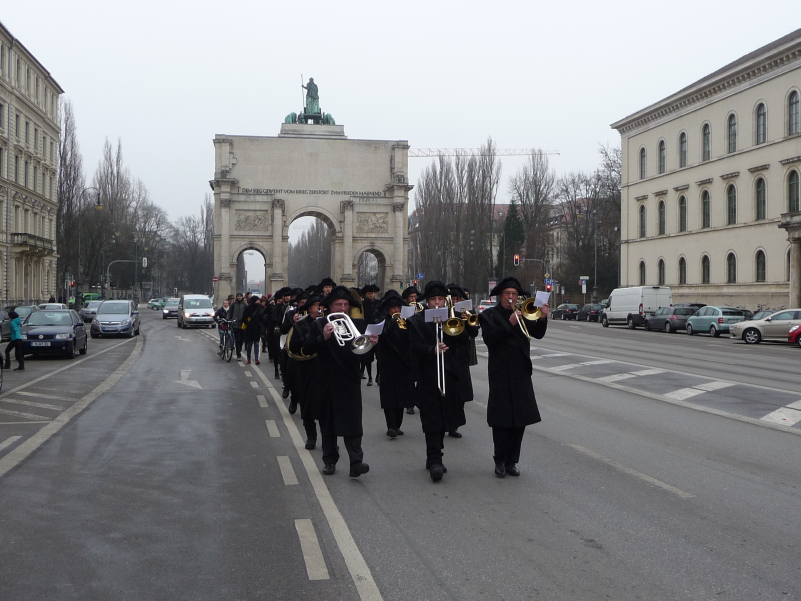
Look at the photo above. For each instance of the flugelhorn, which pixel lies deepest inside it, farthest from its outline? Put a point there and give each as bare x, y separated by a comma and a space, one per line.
529, 311
345, 331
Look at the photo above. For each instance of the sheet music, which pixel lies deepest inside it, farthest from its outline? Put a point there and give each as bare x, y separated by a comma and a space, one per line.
374, 328
465, 305
407, 312
542, 298
436, 315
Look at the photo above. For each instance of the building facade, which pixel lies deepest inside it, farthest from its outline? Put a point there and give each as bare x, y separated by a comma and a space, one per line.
29, 141
710, 175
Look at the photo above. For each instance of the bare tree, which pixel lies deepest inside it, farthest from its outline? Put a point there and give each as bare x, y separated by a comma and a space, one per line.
310, 257
70, 186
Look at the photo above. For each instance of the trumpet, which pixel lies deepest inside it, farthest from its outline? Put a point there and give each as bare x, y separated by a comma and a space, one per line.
345, 331
399, 320
530, 312
418, 307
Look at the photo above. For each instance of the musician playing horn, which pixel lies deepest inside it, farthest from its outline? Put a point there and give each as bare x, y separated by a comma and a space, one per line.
339, 386
512, 405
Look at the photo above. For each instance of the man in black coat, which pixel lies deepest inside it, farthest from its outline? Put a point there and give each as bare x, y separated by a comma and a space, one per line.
273, 317
397, 390
512, 405
307, 368
459, 354
409, 295
339, 389
235, 311
288, 366
438, 413
370, 310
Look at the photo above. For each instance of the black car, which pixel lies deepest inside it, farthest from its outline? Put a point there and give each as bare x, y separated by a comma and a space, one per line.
670, 319
591, 312
54, 331
565, 311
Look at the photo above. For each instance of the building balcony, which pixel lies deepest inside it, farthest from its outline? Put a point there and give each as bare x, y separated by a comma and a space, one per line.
32, 245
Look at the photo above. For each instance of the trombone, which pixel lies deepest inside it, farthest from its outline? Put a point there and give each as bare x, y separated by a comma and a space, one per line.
530, 312
345, 331
440, 359
453, 325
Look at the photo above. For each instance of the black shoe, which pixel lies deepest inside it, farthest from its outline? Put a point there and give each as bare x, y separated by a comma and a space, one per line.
410, 411
392, 433
357, 469
377, 380
277, 375
436, 472
512, 470
364, 377
238, 356
370, 382
7, 366
293, 406
454, 434
285, 393
311, 444
20, 368
329, 469
500, 470
399, 432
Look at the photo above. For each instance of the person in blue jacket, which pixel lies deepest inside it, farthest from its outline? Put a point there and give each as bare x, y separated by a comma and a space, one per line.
16, 342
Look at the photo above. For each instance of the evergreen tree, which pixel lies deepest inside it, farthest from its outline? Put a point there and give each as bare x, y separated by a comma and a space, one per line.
512, 240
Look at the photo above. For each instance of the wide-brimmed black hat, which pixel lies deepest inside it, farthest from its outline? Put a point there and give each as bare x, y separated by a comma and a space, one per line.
370, 288
311, 289
301, 298
282, 292
509, 282
327, 282
315, 298
410, 290
455, 290
339, 292
435, 288
296, 291
392, 299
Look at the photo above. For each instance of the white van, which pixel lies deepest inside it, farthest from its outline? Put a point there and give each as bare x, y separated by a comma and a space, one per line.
631, 306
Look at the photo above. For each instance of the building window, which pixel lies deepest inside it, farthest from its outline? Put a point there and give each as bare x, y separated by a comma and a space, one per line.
661, 272
2, 114
732, 133
682, 271
707, 143
27, 132
642, 221
762, 124
642, 273
682, 214
25, 183
792, 192
705, 270
683, 150
16, 169
761, 199
35, 174
760, 266
1, 162
16, 126
661, 218
731, 269
662, 156
792, 114
731, 205
642, 163
51, 151
36, 138
706, 220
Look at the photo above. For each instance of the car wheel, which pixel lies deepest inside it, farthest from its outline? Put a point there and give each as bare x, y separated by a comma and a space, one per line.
797, 340
177, 322
630, 323
137, 331
690, 329
668, 329
564, 317
71, 352
85, 346
752, 336
132, 333
647, 326
605, 322
713, 331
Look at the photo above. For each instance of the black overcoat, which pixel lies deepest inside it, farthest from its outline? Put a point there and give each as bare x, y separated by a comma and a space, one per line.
253, 313
339, 379
397, 389
437, 414
307, 386
511, 403
370, 311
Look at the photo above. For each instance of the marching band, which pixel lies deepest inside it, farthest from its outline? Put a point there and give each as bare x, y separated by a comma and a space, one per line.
424, 351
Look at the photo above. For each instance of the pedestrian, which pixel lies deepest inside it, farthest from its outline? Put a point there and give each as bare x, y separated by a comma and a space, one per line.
251, 332
219, 316
410, 295
289, 369
16, 343
52, 299
369, 308
460, 352
235, 312
340, 392
396, 390
512, 405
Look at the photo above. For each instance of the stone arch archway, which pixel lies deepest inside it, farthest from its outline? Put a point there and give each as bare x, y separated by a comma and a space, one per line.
381, 257
237, 263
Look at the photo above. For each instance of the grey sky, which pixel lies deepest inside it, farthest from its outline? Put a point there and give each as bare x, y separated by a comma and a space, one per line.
166, 76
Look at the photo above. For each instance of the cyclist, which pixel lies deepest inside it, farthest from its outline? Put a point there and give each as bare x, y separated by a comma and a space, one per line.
219, 316
235, 314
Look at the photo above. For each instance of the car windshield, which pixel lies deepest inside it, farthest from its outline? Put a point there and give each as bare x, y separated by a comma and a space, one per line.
108, 308
732, 312
94, 304
596, 307
171, 304
683, 311
23, 311
197, 303
49, 318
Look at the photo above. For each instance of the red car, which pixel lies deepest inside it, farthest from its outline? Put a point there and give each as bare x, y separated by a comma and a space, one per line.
794, 335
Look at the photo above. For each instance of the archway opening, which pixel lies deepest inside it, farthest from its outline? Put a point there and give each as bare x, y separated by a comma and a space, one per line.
251, 272
371, 268
311, 255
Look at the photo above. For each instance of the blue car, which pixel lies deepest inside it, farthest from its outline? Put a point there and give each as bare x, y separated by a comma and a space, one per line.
715, 320
57, 331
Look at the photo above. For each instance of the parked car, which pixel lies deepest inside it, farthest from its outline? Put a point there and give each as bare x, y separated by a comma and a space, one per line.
52, 306
195, 310
763, 314
774, 327
748, 314
170, 308
565, 311
5, 325
669, 319
22, 310
485, 304
89, 311
632, 305
116, 317
695, 306
794, 335
591, 312
715, 320
157, 303
59, 331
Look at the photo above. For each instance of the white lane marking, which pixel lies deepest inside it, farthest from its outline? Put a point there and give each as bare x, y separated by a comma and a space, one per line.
648, 372
287, 473
45, 396
784, 416
248, 374
683, 393
23, 414
254, 383
354, 560
184, 375
616, 377
272, 428
184, 339
312, 554
631, 471
19, 454
562, 367
262, 400
32, 404
796, 405
9, 441
480, 404
714, 385
555, 354
598, 362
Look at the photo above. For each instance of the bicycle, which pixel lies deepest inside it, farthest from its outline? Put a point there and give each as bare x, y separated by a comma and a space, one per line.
227, 342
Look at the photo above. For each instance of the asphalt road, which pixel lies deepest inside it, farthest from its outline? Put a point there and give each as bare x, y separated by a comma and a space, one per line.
655, 474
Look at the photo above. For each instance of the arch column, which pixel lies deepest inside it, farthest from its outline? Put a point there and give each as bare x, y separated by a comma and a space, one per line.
277, 277
398, 215
792, 223
347, 241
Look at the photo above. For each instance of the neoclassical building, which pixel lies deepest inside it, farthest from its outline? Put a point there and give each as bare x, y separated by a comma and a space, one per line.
29, 134
710, 176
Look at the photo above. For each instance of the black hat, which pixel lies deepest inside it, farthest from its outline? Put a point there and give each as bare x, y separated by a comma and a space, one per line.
282, 292
301, 298
455, 290
296, 291
13, 314
410, 290
370, 288
253, 300
312, 289
435, 288
327, 282
315, 298
509, 282
392, 299
339, 292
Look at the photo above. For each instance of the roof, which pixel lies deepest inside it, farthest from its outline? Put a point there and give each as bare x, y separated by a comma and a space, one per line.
16, 42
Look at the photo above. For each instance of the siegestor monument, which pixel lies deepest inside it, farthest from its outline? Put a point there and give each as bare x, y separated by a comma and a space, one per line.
358, 188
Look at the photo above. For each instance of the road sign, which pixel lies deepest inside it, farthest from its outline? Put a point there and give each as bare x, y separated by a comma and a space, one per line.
547, 276
215, 279
584, 277
420, 276
584, 287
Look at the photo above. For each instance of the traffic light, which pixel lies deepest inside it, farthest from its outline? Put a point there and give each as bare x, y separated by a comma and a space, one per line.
72, 284
547, 287
415, 282
517, 260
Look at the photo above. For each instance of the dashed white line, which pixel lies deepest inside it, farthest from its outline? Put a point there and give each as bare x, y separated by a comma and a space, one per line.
262, 400
683, 393
32, 404
563, 367
784, 416
616, 377
649, 372
555, 355
287, 473
45, 396
248, 374
714, 385
23, 414
272, 428
312, 554
254, 384
796, 405
9, 441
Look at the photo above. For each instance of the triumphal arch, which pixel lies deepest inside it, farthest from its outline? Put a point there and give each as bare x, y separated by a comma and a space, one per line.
359, 188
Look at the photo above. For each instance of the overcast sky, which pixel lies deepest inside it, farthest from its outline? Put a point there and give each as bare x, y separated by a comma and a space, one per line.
166, 76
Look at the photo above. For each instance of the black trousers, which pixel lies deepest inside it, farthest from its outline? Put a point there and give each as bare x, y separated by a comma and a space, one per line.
353, 444
310, 426
394, 418
435, 442
507, 444
239, 336
17, 346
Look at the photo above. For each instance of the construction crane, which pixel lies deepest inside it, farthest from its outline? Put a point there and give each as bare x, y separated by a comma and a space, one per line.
421, 153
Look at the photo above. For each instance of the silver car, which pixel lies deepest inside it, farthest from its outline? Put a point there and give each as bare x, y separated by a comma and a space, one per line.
774, 327
115, 318
89, 311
